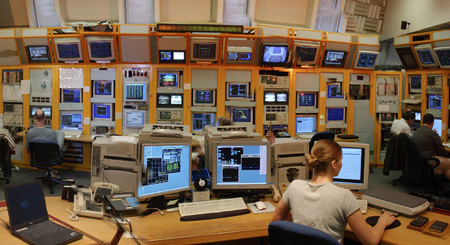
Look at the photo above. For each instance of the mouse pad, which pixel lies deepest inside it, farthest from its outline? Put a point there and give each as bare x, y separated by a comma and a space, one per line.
372, 220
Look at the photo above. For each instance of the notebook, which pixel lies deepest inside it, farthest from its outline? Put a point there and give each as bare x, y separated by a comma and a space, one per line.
29, 219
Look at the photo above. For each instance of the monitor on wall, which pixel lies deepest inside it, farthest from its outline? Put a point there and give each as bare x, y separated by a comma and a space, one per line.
366, 60
306, 99
204, 97
242, 115
334, 58
204, 50
407, 58
334, 91
70, 95
426, 55
103, 88
415, 84
276, 97
306, 123
435, 101
38, 54
354, 173
306, 54
274, 54
200, 120
101, 111
168, 79
443, 56
238, 91
336, 114
101, 48
135, 118
172, 56
68, 50
71, 120
135, 91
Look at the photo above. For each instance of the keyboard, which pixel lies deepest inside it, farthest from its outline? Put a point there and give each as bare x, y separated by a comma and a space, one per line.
305, 136
362, 205
212, 209
41, 229
348, 136
70, 133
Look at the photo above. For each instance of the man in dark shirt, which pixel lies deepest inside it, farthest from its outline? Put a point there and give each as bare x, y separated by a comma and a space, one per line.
429, 144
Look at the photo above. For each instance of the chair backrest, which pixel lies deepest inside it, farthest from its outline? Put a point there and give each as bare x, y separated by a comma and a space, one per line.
324, 135
285, 232
5, 157
44, 153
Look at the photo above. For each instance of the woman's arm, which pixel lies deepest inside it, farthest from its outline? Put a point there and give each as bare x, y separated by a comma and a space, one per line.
366, 234
281, 211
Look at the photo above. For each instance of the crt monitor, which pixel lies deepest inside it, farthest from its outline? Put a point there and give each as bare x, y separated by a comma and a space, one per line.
306, 54
435, 101
426, 55
354, 174
306, 99
443, 56
407, 58
242, 115
170, 100
47, 111
204, 50
204, 97
172, 56
135, 91
366, 59
334, 58
168, 79
334, 91
166, 169
335, 114
103, 88
415, 84
241, 167
72, 120
38, 54
135, 118
305, 124
275, 97
102, 112
68, 50
101, 48
438, 126
200, 120
69, 95
275, 54
237, 90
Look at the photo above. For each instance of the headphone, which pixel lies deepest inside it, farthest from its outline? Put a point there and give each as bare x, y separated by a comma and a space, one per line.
200, 184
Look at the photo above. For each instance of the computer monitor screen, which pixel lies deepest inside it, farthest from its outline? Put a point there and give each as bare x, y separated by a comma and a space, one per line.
204, 97
407, 58
438, 126
366, 59
163, 100
101, 48
426, 56
282, 97
172, 56
417, 116
200, 120
335, 114
306, 124
71, 95
237, 90
38, 54
134, 118
242, 115
275, 97
176, 100
242, 167
245, 56
47, 110
102, 112
435, 101
354, 173
306, 99
170, 100
443, 56
165, 115
334, 91
69, 51
204, 50
415, 84
306, 55
334, 58
269, 97
165, 169
233, 56
103, 88
135, 91
275, 54
72, 120
168, 79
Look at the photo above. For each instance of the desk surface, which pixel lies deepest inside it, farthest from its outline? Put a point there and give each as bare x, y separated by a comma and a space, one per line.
168, 229
83, 138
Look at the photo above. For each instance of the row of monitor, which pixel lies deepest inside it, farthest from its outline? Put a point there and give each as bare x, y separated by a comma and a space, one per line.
427, 56
238, 167
101, 48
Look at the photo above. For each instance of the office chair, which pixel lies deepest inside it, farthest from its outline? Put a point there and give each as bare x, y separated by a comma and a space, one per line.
324, 135
395, 158
5, 159
285, 232
44, 155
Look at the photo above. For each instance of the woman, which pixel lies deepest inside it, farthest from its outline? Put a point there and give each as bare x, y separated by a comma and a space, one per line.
320, 204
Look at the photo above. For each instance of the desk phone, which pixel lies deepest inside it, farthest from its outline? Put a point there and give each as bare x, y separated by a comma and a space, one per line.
123, 203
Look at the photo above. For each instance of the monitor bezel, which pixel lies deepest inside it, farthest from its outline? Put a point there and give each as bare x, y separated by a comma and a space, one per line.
194, 98
94, 95
439, 132
430, 49
276, 102
74, 89
358, 56
170, 105
70, 112
128, 125
447, 48
233, 111
232, 98
365, 170
336, 121
340, 89
324, 59
284, 63
213, 116
414, 90
403, 58
144, 97
300, 94
63, 42
204, 41
102, 39
111, 111
177, 78
300, 63
305, 116
40, 107
172, 60
429, 101
30, 59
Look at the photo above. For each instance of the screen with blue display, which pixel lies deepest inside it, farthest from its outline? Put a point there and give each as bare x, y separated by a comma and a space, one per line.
307, 99
103, 88
334, 91
245, 56
237, 90
366, 59
100, 49
242, 115
306, 124
435, 101
203, 96
443, 55
102, 111
335, 114
274, 54
68, 51
200, 120
72, 120
71, 96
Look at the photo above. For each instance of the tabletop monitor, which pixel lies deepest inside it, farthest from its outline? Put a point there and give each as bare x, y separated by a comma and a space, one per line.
242, 115
241, 167
334, 91
204, 97
306, 100
426, 56
100, 48
172, 56
334, 58
275, 97
274, 54
435, 101
438, 126
135, 118
72, 120
415, 84
354, 174
204, 50
170, 100
38, 54
71, 95
366, 60
47, 110
407, 58
237, 90
168, 79
200, 120
443, 56
135, 91
68, 50
335, 114
305, 124
166, 169
307, 54
103, 88
102, 112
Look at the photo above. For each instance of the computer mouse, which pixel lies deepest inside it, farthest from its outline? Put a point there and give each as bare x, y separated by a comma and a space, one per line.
260, 205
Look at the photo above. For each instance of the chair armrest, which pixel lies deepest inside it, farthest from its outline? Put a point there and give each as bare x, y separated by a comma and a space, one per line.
433, 162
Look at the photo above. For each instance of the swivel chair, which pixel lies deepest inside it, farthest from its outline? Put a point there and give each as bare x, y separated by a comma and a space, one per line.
5, 159
285, 232
324, 135
44, 155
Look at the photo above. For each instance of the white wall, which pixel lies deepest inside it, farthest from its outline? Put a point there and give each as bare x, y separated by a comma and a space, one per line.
420, 13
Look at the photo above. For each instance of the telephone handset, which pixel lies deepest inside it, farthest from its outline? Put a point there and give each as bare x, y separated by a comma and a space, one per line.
122, 203
83, 205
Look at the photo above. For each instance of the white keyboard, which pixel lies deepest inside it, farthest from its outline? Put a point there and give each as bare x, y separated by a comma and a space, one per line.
212, 209
72, 132
305, 136
362, 205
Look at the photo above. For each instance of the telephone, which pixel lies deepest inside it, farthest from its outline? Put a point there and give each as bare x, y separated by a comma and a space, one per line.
83, 205
101, 189
122, 203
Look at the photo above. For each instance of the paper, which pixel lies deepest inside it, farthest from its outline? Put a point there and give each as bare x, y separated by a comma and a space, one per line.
187, 86
118, 115
25, 87
255, 210
87, 120
86, 89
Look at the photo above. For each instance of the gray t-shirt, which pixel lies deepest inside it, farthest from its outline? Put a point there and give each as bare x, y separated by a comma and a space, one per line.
44, 134
321, 206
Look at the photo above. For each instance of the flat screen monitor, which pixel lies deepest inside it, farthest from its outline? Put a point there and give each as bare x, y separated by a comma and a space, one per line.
242, 115
435, 101
366, 60
334, 91
200, 120
38, 54
306, 54
415, 84
135, 91
334, 58
354, 174
166, 169
335, 114
103, 88
172, 56
70, 95
68, 50
242, 167
135, 118
407, 58
426, 55
47, 110
100, 48
204, 50
443, 56
102, 112
238, 90
274, 54
168, 79
170, 100
438, 126
305, 124
72, 120
204, 97
276, 97
306, 99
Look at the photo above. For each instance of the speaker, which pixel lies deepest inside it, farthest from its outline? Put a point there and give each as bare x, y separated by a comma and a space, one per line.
404, 25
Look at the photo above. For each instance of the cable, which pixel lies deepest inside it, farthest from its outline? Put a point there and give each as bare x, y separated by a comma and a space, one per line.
7, 226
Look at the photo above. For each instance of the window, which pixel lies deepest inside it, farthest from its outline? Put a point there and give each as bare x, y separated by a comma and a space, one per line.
235, 12
329, 15
140, 12
45, 13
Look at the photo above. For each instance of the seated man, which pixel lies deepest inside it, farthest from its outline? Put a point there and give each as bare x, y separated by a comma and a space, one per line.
402, 125
7, 135
40, 132
429, 145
